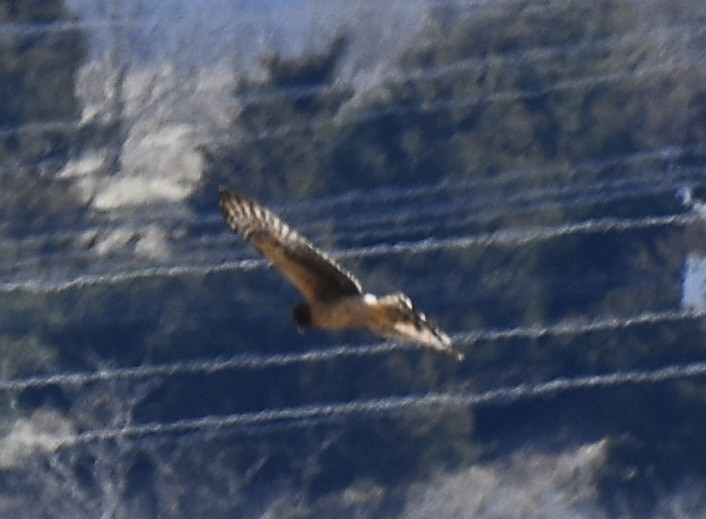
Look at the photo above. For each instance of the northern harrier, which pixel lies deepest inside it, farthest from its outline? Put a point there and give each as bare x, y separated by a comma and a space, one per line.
334, 298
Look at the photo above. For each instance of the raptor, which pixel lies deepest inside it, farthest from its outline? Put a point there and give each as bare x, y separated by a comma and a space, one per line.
334, 298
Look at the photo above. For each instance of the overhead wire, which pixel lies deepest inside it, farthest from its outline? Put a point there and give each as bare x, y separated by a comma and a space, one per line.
439, 105
676, 179
507, 237
432, 402
24, 29
489, 215
510, 95
388, 404
448, 213
259, 361
390, 194
487, 207
516, 237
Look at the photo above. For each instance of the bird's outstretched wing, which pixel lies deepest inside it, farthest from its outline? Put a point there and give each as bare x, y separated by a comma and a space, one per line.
316, 275
407, 323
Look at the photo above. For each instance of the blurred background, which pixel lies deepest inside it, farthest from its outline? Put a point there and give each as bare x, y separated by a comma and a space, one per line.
531, 173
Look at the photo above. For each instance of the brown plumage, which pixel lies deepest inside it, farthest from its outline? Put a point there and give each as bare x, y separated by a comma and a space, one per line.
334, 297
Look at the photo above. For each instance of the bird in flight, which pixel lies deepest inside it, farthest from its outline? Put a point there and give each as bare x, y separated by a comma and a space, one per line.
334, 299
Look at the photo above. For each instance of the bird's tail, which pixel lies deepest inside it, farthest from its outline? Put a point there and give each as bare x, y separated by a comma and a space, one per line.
412, 325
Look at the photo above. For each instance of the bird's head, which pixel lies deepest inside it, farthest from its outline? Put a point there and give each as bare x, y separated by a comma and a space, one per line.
302, 316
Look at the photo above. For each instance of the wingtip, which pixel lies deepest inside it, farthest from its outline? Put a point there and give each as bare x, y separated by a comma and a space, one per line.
451, 352
448, 349
445, 347
454, 353
227, 196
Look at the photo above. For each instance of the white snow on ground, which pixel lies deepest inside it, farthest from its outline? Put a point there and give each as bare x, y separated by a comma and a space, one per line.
166, 72
43, 431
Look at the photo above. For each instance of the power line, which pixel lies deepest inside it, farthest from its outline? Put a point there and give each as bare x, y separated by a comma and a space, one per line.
515, 237
489, 207
255, 361
242, 361
500, 212
23, 30
450, 104
485, 209
579, 327
395, 404
389, 194
20, 29
437, 105
504, 238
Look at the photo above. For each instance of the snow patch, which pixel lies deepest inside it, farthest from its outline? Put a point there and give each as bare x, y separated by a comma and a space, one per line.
157, 167
694, 283
161, 76
43, 431
153, 244
527, 485
85, 171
